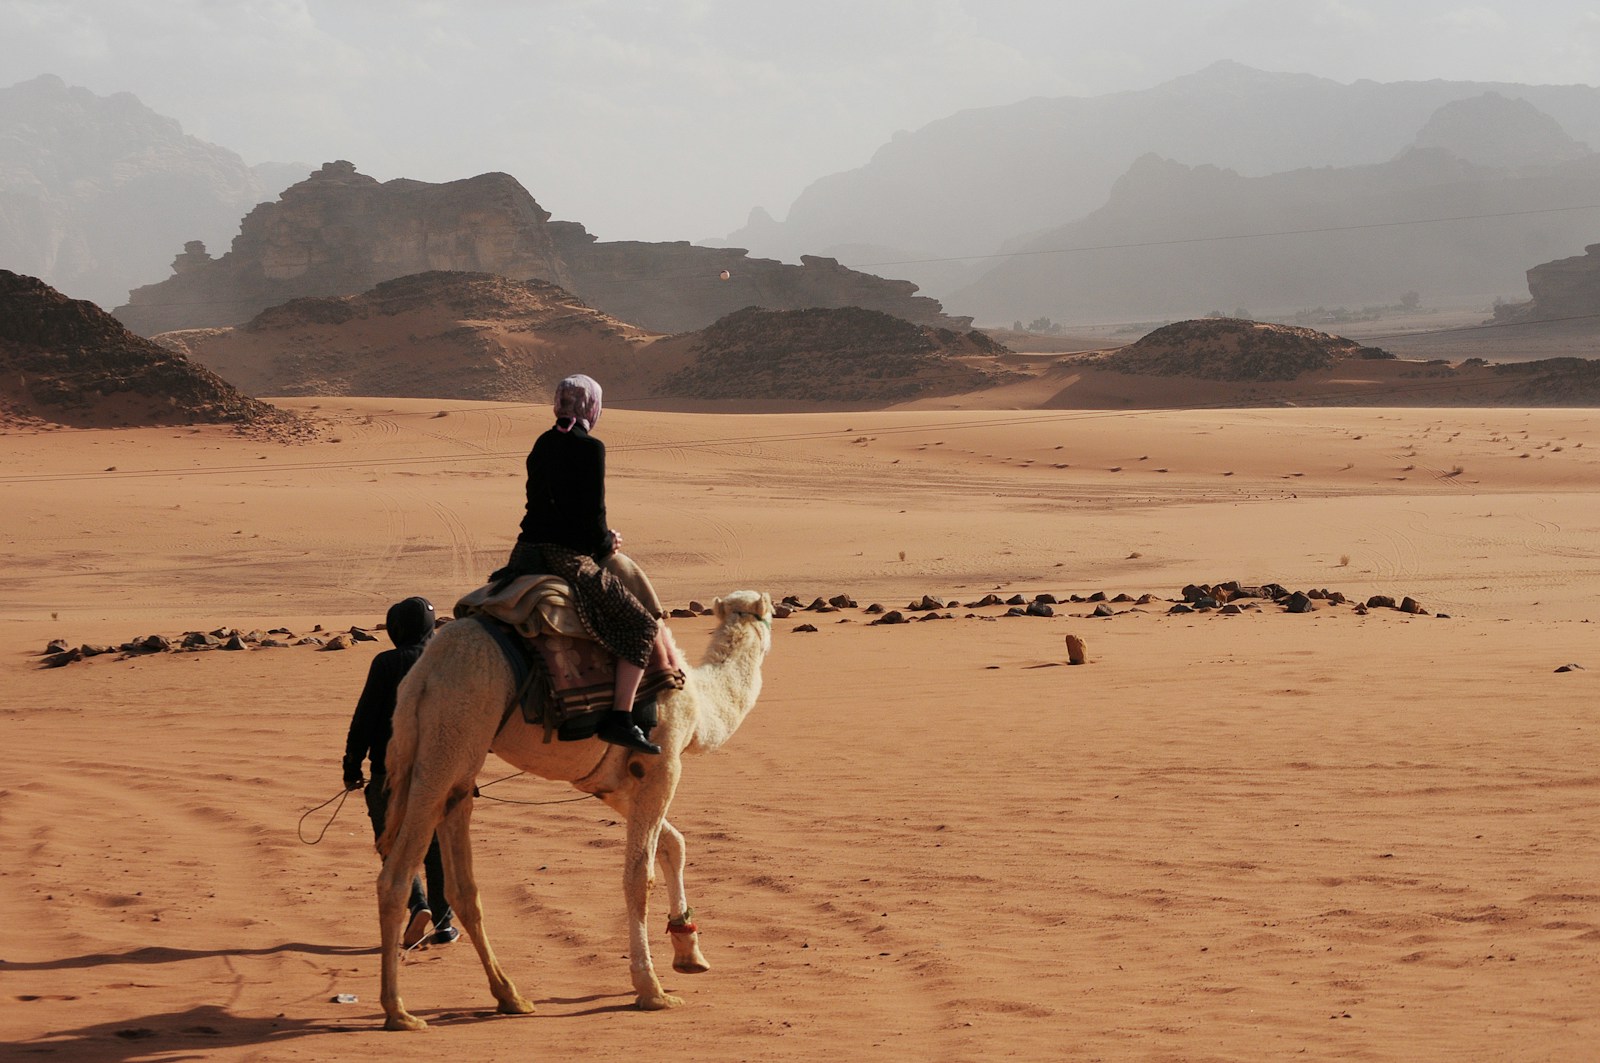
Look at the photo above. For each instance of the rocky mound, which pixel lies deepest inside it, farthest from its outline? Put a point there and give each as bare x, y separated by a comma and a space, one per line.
67, 361
340, 232
831, 355
430, 335
1235, 350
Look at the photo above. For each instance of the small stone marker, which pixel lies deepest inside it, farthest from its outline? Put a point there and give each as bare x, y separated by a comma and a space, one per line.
1077, 652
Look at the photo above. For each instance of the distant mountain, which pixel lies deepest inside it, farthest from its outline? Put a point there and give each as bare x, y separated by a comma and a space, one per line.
1492, 130
97, 191
1179, 241
967, 184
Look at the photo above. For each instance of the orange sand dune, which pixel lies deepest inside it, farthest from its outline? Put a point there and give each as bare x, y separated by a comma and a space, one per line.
1263, 836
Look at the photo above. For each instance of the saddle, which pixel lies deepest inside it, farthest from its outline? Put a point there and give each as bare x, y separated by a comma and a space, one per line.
564, 679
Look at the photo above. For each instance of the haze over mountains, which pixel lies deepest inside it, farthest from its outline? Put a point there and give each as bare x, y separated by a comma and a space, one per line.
97, 194
1012, 177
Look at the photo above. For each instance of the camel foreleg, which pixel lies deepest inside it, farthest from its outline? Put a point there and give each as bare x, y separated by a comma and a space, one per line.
672, 854
647, 811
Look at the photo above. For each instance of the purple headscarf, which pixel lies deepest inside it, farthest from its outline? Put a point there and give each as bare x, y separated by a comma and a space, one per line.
577, 402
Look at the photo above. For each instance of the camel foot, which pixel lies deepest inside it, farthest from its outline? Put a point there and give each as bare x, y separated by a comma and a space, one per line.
515, 1006
658, 1002
691, 965
404, 1020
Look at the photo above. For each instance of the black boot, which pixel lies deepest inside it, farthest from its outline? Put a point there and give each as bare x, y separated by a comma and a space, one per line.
619, 729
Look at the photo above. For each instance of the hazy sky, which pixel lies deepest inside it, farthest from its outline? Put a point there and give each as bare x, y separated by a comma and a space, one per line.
670, 119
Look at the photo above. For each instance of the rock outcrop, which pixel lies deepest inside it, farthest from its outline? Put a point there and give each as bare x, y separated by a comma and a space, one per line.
1566, 288
67, 361
340, 232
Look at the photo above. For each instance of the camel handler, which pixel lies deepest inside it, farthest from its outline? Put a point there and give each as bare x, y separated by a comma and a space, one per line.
564, 533
409, 623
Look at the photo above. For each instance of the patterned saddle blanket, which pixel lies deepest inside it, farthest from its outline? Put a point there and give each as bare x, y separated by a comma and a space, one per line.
566, 677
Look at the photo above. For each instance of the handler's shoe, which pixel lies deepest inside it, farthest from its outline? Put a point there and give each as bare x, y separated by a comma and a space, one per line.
418, 929
444, 935
619, 729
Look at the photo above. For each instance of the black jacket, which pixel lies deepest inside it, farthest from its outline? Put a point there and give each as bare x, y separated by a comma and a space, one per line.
567, 493
409, 624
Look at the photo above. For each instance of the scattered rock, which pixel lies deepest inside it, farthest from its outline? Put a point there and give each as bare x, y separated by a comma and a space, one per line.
1571, 668
893, 616
874, 609
338, 642
1231, 609
1038, 608
57, 646
1016, 599
237, 642
782, 610
1103, 610
805, 627
1411, 605
63, 657
842, 601
985, 601
199, 640
1380, 601
685, 614
1179, 608
359, 635
1077, 652
1300, 602
1044, 599
698, 608
309, 640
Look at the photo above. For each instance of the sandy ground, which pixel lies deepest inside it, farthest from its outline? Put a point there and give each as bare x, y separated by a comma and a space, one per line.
1263, 836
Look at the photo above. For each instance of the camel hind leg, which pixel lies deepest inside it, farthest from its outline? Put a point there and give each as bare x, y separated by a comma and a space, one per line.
407, 847
455, 848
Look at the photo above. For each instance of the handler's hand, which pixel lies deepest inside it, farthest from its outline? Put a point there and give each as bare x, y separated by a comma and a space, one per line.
355, 782
616, 539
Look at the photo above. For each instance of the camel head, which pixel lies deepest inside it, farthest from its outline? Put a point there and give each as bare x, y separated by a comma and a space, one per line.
752, 609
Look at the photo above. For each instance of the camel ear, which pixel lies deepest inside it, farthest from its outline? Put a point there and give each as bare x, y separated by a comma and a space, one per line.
718, 609
766, 604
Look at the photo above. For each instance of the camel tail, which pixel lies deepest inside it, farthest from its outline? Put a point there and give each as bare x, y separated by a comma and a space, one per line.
401, 754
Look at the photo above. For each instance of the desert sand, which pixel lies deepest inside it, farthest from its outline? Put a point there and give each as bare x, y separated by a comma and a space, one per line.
1260, 836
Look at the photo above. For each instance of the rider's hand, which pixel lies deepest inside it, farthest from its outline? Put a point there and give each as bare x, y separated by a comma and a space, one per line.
354, 782
616, 539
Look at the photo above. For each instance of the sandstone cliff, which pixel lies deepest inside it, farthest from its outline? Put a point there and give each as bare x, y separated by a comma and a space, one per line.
1566, 289
67, 361
340, 232
1235, 350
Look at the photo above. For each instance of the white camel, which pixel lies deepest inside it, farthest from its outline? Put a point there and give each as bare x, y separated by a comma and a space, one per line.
448, 719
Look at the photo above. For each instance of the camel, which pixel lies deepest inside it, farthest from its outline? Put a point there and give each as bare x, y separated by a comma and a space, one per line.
448, 718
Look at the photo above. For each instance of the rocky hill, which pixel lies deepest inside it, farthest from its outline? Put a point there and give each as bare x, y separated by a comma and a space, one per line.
847, 355
340, 232
69, 362
430, 335
96, 191
1234, 350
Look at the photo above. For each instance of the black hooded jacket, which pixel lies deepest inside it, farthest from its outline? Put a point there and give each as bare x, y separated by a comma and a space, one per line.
409, 624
